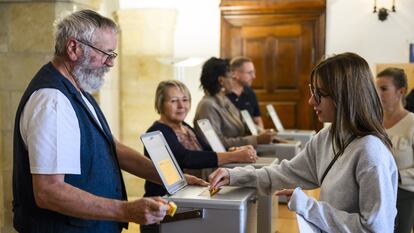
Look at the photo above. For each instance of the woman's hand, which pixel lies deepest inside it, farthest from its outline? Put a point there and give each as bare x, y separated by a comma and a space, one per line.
266, 137
244, 154
192, 180
219, 178
286, 192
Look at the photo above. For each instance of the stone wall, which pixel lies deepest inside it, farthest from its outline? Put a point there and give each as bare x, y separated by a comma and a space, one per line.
146, 37
26, 43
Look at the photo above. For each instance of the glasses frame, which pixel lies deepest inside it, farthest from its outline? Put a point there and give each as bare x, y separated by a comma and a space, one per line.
110, 56
317, 95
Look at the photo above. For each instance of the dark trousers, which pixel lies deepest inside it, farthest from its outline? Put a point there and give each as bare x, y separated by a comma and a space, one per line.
405, 214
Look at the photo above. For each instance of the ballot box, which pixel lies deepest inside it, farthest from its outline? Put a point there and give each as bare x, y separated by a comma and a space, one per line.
267, 206
290, 134
279, 150
232, 210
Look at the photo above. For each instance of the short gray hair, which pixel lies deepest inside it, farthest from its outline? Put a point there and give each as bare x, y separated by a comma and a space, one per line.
162, 88
80, 25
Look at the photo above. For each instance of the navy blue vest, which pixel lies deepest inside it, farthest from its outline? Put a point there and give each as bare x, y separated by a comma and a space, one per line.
100, 172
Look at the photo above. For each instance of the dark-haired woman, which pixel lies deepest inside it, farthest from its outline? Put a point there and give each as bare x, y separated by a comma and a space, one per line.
350, 161
225, 118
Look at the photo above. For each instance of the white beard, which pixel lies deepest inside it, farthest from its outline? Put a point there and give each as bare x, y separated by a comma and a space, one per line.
88, 79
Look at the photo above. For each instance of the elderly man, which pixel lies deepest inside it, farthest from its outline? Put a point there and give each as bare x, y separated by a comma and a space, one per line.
66, 175
242, 95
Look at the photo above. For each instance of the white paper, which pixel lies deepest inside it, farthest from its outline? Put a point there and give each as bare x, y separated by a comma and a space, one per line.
305, 226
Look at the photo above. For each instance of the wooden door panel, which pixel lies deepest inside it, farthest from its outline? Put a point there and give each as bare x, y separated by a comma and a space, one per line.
286, 63
284, 39
284, 109
256, 48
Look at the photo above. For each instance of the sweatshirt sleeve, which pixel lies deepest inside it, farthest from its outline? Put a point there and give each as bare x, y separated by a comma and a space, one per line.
376, 202
299, 171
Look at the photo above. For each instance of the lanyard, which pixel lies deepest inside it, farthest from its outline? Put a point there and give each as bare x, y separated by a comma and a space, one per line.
329, 167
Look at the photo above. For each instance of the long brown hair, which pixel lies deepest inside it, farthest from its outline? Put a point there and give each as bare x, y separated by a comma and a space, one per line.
348, 81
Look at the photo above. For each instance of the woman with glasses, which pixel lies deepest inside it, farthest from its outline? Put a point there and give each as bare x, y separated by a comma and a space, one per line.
224, 117
399, 123
350, 161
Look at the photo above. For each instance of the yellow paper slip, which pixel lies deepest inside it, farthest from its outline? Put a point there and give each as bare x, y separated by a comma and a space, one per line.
169, 171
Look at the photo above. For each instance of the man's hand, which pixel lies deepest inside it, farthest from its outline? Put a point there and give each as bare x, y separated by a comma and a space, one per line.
192, 180
146, 210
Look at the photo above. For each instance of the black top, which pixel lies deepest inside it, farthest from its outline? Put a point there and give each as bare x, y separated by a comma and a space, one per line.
410, 101
247, 100
185, 158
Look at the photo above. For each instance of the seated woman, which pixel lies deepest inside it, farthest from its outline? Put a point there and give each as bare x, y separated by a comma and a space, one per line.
350, 161
172, 102
223, 115
399, 123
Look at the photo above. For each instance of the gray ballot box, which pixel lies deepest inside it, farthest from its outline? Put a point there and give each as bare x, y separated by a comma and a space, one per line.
232, 210
267, 205
281, 150
290, 134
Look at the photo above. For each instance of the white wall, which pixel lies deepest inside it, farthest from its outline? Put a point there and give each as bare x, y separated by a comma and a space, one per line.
197, 34
352, 27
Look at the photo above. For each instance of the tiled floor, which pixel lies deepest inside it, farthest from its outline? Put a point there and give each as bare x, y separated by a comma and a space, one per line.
286, 221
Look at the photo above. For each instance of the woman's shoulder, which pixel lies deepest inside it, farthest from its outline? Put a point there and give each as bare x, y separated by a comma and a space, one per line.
409, 118
374, 150
159, 126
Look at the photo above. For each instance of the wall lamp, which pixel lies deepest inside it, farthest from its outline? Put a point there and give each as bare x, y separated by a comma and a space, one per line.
383, 12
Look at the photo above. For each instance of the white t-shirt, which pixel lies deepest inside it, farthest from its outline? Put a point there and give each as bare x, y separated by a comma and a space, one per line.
50, 131
402, 138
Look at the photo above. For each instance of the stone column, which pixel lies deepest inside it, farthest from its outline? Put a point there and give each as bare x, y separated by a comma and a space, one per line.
146, 37
26, 43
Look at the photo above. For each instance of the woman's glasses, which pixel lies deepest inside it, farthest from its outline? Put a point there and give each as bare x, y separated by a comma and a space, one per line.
317, 94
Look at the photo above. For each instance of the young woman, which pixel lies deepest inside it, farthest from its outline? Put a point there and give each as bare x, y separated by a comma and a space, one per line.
350, 160
399, 123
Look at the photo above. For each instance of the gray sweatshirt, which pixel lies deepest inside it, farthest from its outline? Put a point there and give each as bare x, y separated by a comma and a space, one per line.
357, 195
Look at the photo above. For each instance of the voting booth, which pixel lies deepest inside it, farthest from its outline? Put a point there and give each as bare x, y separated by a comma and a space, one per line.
290, 134
267, 205
232, 210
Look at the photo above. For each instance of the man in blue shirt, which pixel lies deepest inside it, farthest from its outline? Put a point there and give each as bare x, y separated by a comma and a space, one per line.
242, 95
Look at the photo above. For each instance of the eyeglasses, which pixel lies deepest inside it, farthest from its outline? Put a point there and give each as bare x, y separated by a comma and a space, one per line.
109, 56
317, 94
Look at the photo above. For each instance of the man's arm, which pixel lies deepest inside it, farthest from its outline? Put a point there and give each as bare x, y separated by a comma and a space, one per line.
51, 192
136, 163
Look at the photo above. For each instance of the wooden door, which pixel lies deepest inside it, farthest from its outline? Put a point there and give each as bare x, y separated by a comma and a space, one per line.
284, 39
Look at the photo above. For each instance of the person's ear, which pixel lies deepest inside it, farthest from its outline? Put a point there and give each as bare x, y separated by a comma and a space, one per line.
72, 50
220, 80
403, 90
